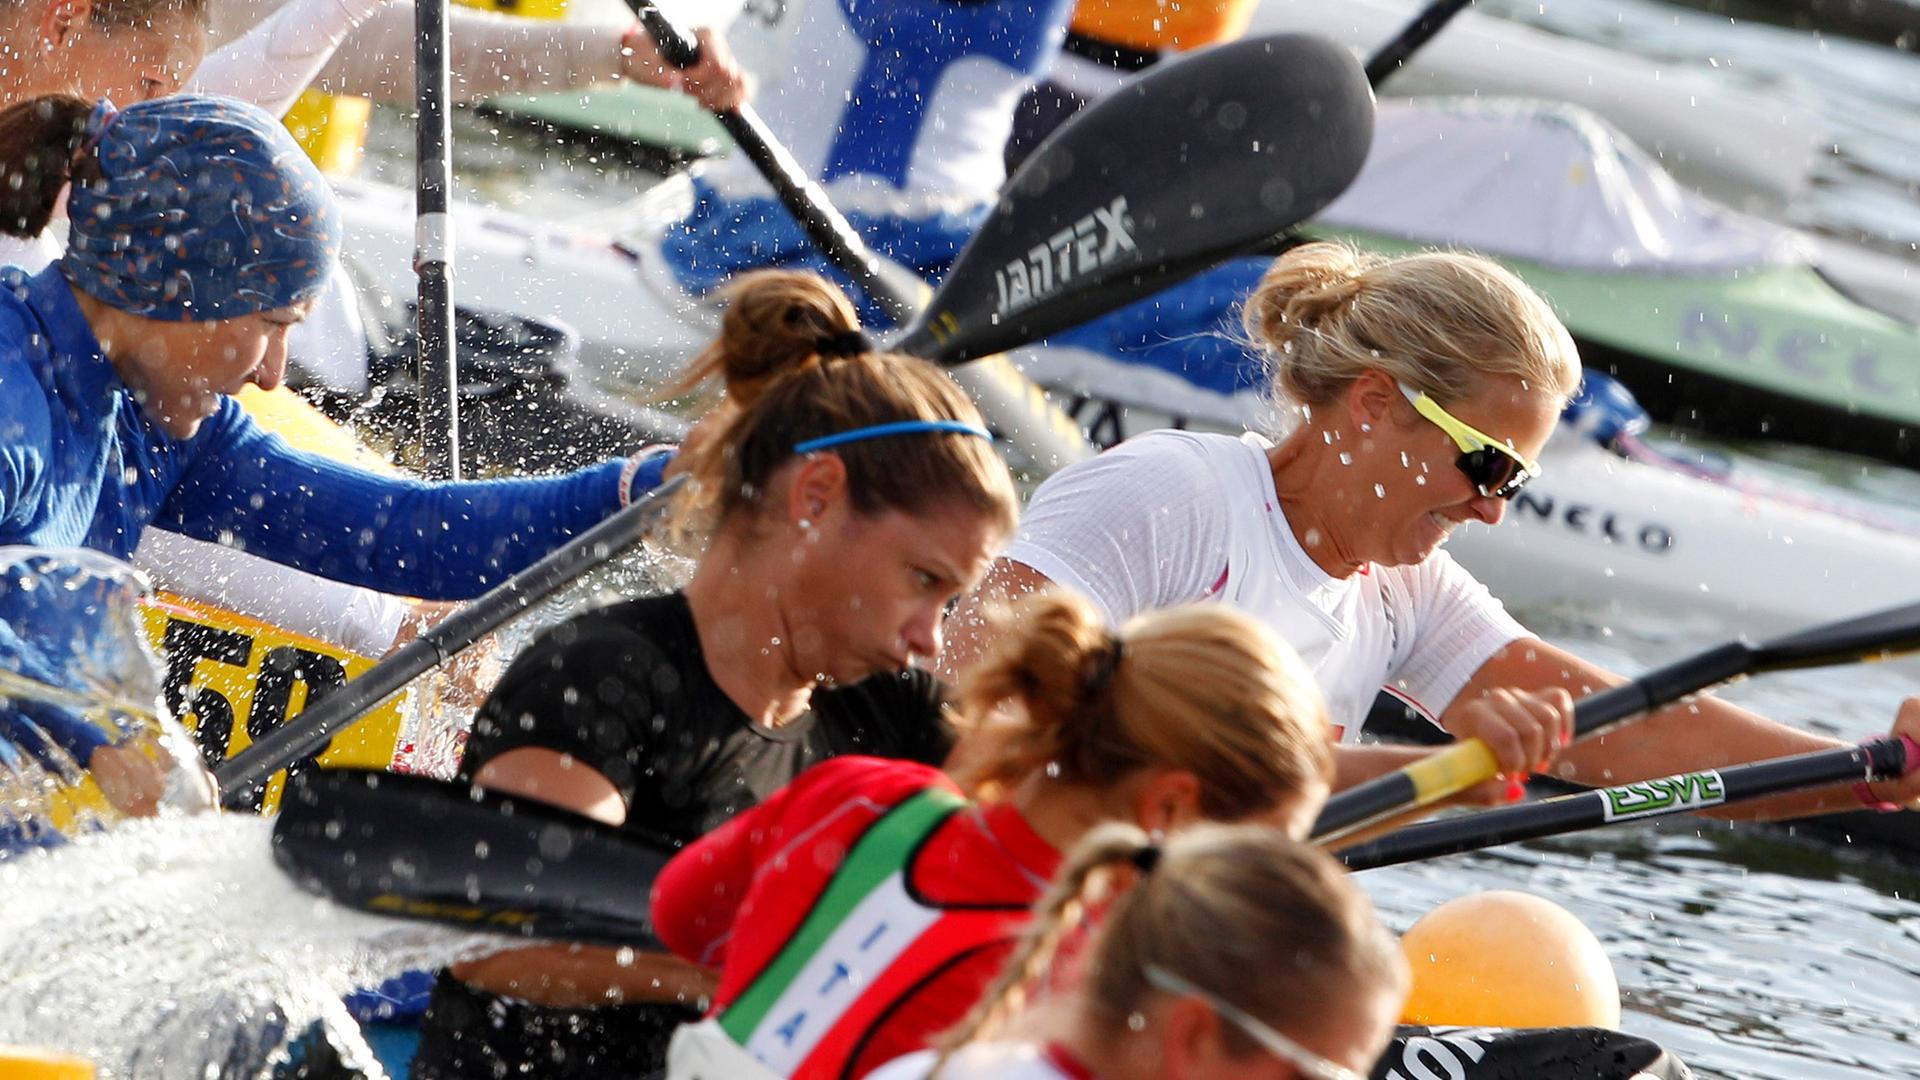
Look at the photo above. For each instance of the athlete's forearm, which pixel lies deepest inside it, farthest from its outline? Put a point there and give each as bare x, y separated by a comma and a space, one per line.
489, 55
584, 976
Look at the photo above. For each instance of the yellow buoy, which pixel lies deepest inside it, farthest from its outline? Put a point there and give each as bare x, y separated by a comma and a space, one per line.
1508, 959
24, 1063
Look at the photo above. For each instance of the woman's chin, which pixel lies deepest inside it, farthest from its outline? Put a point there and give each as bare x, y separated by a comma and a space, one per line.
1428, 535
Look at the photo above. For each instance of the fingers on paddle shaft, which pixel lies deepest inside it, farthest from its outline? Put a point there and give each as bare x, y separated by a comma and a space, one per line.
677, 47
1200, 160
1525, 729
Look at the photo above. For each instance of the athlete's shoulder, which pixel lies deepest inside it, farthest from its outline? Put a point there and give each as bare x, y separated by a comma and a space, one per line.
886, 781
1165, 464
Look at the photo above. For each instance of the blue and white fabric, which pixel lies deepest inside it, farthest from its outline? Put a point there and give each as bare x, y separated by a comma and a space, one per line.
207, 210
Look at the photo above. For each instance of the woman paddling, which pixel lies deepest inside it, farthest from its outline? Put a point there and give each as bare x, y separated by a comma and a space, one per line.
846, 497
1420, 391
863, 910
200, 235
1237, 953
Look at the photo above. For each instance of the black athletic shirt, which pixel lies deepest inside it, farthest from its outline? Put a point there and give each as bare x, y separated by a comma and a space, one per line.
626, 691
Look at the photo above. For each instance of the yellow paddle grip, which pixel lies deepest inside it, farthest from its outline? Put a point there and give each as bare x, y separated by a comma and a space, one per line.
1451, 771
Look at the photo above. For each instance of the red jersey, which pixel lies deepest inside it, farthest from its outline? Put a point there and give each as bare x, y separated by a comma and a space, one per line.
854, 914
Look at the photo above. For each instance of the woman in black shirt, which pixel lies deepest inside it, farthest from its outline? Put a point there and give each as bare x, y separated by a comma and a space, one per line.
845, 496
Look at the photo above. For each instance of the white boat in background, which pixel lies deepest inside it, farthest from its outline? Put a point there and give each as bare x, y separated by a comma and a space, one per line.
1598, 529
1714, 129
1711, 128
1610, 535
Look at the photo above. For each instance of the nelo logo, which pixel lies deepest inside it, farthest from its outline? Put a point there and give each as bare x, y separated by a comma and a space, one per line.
1096, 240
1649, 536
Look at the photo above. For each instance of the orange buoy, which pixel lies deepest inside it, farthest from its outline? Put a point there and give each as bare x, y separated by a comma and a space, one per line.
26, 1063
1508, 959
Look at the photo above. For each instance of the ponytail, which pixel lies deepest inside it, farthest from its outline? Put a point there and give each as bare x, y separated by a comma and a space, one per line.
1201, 688
1438, 321
43, 146
795, 368
1214, 905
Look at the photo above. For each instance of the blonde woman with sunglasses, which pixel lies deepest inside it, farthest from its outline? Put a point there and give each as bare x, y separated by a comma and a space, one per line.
1415, 394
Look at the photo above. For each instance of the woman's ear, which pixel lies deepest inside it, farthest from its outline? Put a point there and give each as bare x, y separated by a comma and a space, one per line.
817, 491
1190, 1042
61, 19
1371, 400
1166, 801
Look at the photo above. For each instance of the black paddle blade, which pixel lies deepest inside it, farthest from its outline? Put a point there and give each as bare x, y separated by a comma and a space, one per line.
1892, 632
1199, 160
412, 847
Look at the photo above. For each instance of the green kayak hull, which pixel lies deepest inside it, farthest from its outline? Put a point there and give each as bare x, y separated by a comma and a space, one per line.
642, 115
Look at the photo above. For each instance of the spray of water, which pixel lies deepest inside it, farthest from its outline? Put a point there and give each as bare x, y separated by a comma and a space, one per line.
174, 947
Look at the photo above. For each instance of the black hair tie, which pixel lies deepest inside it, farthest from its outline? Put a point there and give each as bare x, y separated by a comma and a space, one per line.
1146, 858
1105, 662
845, 343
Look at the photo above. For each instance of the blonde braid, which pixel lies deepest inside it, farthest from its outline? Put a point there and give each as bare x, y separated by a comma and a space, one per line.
1057, 915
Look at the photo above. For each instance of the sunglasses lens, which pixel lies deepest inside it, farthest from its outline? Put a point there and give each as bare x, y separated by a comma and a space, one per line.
1494, 473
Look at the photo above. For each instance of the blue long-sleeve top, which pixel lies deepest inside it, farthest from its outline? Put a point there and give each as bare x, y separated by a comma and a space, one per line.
82, 466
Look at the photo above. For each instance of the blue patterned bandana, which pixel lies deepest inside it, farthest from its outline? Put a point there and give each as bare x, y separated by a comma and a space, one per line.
208, 210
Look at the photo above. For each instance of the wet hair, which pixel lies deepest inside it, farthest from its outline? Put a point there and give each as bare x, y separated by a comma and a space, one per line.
43, 145
143, 14
1439, 321
1243, 912
794, 369
1201, 688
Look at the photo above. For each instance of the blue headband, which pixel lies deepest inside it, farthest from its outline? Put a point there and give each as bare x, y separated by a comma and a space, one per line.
207, 210
898, 427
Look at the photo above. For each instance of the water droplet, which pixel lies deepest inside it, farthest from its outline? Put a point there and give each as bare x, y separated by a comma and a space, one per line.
1346, 458
1379, 491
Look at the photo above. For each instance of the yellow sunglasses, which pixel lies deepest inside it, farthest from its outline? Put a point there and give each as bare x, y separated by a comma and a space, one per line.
1495, 469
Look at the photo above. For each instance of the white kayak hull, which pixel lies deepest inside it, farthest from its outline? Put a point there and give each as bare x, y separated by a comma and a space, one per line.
1613, 536
1596, 531
1712, 130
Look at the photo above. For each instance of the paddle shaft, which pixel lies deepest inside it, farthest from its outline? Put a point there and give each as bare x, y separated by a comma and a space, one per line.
1386, 60
1009, 399
435, 367
1390, 57
306, 732
1451, 771
1866, 637
829, 230
1884, 758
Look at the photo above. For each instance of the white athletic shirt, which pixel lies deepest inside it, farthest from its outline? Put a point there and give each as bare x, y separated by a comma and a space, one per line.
1171, 517
978, 1061
272, 64
487, 54
32, 254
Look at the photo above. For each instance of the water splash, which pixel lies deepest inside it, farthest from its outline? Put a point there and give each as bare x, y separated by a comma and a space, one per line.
173, 947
